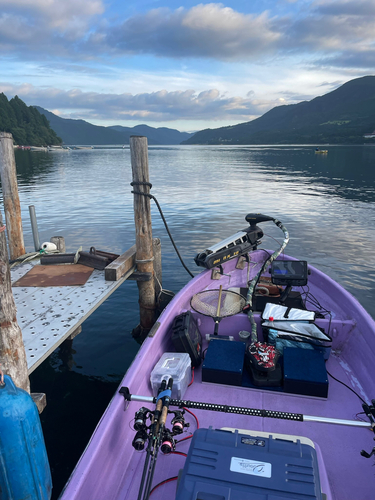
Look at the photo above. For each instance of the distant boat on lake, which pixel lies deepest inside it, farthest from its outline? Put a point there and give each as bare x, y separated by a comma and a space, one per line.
58, 148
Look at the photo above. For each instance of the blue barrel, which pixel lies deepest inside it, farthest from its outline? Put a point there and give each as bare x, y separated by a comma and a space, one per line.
24, 467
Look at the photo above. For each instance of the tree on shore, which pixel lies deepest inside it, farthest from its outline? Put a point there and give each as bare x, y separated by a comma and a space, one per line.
25, 123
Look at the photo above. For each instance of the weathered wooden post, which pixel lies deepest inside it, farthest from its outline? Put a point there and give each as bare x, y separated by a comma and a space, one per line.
12, 350
143, 230
12, 207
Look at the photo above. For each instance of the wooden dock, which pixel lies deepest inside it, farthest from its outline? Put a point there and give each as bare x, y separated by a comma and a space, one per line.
49, 315
37, 315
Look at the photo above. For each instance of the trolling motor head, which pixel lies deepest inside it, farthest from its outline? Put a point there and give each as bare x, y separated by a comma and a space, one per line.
238, 244
254, 219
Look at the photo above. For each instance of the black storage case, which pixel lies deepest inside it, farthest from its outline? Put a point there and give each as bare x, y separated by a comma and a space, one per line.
294, 299
223, 363
228, 465
186, 337
305, 372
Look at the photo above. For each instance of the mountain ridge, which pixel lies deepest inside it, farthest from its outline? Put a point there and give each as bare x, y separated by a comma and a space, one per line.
342, 115
81, 132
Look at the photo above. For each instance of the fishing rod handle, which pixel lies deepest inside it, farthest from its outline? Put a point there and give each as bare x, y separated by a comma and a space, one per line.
163, 416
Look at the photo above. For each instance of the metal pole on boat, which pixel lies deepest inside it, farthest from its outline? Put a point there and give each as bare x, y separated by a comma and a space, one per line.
252, 412
12, 206
143, 230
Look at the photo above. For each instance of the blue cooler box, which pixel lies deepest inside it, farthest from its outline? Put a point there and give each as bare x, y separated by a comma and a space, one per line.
223, 465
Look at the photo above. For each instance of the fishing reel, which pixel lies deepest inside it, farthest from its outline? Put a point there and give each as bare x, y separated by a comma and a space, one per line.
140, 439
178, 422
168, 443
140, 418
140, 426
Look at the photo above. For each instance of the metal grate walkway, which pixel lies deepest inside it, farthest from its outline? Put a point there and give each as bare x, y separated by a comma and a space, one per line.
49, 315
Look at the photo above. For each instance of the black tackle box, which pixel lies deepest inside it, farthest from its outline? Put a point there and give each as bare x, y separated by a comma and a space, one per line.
186, 337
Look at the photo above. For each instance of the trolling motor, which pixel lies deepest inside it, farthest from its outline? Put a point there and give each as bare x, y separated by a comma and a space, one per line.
238, 244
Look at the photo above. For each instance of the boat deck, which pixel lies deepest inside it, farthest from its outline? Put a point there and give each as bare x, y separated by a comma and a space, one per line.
344, 473
49, 315
335, 441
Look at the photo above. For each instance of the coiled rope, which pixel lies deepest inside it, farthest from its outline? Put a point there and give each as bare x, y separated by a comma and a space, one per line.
30, 256
152, 197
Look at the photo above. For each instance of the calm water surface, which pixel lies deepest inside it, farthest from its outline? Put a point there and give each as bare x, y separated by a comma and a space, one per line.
327, 202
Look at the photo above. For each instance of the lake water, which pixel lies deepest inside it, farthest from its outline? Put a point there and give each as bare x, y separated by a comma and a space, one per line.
327, 202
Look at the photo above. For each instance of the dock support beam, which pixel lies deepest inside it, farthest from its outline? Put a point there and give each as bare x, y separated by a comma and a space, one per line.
143, 230
12, 207
12, 350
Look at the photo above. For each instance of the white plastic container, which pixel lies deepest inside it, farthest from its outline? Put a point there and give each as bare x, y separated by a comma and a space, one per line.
176, 365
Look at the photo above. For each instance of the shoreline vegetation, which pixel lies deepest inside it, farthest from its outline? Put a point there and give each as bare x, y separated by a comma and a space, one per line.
27, 126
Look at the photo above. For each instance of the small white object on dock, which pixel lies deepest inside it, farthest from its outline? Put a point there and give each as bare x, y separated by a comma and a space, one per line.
49, 315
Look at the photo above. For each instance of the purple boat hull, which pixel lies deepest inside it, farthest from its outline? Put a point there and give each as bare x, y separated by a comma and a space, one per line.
111, 469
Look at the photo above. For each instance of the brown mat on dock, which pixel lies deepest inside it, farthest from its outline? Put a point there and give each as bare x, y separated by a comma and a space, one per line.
59, 275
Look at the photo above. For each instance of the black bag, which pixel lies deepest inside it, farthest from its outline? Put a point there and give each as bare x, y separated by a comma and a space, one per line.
186, 337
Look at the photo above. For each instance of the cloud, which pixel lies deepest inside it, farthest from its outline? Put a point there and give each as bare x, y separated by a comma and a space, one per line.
61, 15
154, 106
206, 30
322, 32
334, 28
325, 32
47, 26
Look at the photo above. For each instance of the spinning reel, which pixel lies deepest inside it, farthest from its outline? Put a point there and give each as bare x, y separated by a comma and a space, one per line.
168, 442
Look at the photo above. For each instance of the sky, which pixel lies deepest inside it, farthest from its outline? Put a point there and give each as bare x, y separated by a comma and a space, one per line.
184, 65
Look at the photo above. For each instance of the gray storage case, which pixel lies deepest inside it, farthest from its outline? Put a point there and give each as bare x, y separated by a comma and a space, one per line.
223, 465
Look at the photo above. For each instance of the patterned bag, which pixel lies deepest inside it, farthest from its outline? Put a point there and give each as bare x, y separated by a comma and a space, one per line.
261, 356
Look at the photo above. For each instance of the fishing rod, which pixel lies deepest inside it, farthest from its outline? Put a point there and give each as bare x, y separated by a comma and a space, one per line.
253, 412
165, 397
142, 436
154, 436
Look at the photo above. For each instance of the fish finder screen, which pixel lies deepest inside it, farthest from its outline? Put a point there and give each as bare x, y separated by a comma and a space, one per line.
289, 272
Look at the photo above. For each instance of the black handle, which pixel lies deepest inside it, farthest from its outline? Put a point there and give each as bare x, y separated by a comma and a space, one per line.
254, 219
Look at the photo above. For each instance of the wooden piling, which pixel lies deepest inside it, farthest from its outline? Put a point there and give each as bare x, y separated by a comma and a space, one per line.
12, 207
59, 241
143, 230
12, 350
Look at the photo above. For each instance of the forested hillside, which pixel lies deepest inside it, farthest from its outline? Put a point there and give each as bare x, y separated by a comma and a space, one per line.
82, 132
342, 116
25, 123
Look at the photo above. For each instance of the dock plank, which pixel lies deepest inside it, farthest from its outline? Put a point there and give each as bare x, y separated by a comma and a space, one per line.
49, 315
116, 269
